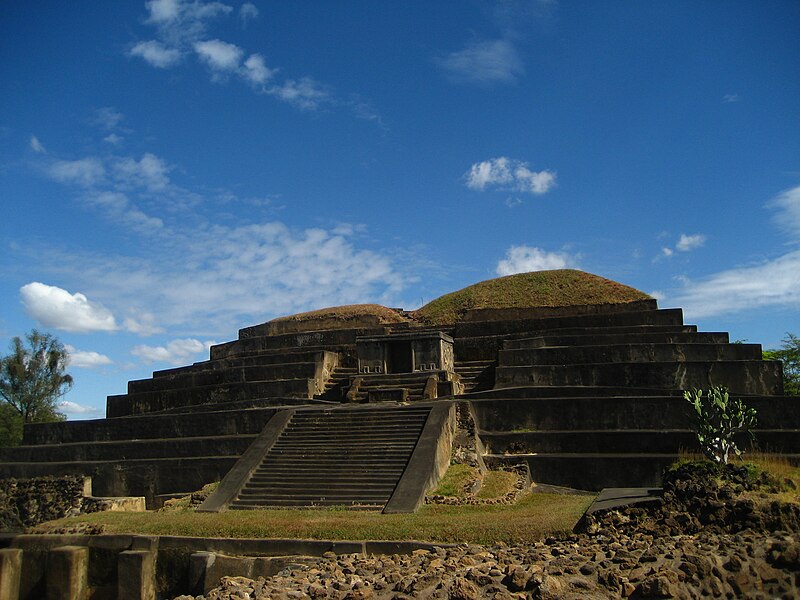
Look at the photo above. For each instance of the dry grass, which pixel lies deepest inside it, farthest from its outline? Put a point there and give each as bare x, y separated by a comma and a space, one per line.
497, 484
784, 475
532, 518
564, 287
346, 313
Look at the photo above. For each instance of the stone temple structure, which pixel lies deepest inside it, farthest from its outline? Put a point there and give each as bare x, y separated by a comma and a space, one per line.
575, 377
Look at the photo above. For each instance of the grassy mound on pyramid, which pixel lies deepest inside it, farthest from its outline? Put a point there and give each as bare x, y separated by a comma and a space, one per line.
562, 287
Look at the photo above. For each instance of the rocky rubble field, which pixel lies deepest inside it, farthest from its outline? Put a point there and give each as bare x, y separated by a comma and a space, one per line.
716, 535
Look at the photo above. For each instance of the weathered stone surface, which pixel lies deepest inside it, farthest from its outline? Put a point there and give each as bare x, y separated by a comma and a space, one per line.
684, 567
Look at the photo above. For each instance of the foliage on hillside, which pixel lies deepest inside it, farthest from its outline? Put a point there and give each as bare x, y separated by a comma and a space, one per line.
789, 355
563, 287
345, 313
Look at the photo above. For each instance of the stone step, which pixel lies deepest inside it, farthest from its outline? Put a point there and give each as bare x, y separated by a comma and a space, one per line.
485, 347
145, 402
567, 391
593, 472
375, 432
308, 503
328, 339
741, 377
259, 360
610, 338
352, 453
231, 445
633, 440
357, 416
285, 469
316, 440
342, 479
319, 485
625, 353
668, 316
274, 402
614, 413
227, 422
225, 376
396, 379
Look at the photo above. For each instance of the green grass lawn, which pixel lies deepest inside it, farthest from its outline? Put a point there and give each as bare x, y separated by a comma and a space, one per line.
535, 516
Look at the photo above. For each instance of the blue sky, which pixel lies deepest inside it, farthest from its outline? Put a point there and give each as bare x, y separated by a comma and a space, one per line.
171, 171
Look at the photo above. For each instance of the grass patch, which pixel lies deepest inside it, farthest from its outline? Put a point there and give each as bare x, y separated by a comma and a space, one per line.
497, 484
532, 518
346, 313
456, 480
563, 287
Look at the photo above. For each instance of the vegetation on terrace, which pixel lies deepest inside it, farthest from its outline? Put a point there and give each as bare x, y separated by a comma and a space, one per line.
534, 517
346, 313
563, 287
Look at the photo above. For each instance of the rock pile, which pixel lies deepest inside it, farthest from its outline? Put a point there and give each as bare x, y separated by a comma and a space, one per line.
703, 497
27, 502
709, 536
713, 565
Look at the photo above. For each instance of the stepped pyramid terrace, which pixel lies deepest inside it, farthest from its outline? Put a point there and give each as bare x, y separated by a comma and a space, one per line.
574, 377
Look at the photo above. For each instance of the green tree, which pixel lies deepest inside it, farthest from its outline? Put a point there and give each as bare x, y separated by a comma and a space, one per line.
10, 426
789, 355
33, 377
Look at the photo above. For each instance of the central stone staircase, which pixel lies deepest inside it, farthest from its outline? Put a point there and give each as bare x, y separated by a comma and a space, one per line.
335, 456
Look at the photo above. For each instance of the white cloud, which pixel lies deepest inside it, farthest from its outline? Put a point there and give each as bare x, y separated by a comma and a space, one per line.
73, 408
484, 62
788, 205
85, 171
690, 242
55, 307
508, 174
534, 182
247, 12
149, 171
521, 259
771, 283
182, 18
219, 55
113, 139
728, 98
163, 11
144, 325
685, 243
37, 146
85, 359
305, 93
107, 118
255, 70
774, 283
182, 27
156, 54
116, 206
176, 352
255, 272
